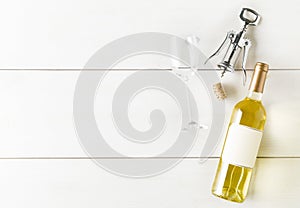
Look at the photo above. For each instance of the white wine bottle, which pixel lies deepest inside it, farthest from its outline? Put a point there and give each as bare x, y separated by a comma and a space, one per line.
242, 141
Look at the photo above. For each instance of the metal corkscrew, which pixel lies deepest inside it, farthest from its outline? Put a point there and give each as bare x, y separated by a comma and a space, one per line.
237, 43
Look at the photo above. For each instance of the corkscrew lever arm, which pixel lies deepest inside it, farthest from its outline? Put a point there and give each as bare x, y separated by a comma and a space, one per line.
246, 47
229, 36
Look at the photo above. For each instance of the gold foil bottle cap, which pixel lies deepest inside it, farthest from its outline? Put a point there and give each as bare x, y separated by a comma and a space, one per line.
259, 77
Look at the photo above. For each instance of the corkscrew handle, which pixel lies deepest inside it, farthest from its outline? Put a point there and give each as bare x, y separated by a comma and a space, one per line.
249, 16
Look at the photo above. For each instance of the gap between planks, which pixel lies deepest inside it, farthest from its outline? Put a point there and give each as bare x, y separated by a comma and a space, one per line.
133, 158
140, 69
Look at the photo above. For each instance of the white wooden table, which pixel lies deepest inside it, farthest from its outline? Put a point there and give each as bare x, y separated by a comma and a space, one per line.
42, 163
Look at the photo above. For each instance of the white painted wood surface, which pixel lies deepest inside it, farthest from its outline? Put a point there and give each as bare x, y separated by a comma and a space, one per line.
80, 183
64, 34
37, 116
36, 120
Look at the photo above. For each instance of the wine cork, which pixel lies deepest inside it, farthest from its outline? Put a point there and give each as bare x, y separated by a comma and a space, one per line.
219, 91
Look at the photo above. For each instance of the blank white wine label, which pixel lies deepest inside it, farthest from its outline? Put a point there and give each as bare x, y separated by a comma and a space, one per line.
241, 145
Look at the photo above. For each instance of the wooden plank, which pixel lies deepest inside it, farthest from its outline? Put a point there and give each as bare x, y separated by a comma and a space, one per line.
78, 183
36, 116
64, 34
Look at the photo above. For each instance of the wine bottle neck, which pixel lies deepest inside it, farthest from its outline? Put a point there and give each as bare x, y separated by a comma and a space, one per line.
254, 95
258, 80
